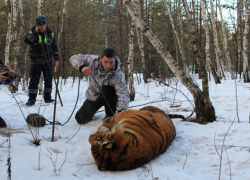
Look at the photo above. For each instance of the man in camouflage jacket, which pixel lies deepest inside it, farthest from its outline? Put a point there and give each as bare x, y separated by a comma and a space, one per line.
105, 75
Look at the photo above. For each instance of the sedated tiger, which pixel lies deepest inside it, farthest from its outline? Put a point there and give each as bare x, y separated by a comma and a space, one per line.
132, 139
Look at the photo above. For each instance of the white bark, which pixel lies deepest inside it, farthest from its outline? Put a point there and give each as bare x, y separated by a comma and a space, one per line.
40, 7
8, 35
181, 48
203, 110
239, 33
245, 43
216, 43
40, 12
207, 46
130, 62
62, 21
229, 61
137, 5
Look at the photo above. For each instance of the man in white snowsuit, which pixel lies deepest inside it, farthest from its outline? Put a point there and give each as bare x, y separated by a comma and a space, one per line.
105, 75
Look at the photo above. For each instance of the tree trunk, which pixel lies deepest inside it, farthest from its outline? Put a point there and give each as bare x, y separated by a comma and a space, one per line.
40, 12
245, 43
204, 110
207, 103
229, 61
141, 42
207, 47
218, 53
8, 35
62, 21
239, 34
181, 48
130, 62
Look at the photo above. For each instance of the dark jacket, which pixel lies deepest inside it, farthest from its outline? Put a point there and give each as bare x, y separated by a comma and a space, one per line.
42, 44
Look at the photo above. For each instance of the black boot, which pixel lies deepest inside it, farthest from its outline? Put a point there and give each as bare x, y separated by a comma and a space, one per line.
31, 102
49, 101
2, 123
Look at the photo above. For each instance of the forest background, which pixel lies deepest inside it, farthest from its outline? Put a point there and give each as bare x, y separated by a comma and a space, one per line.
159, 39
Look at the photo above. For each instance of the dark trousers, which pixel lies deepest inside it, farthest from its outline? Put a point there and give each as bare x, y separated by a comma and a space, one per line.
39, 65
89, 108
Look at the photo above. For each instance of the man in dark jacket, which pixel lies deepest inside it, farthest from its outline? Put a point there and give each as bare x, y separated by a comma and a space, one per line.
43, 53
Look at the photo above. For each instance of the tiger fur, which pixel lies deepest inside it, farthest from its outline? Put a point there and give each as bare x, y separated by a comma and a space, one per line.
132, 138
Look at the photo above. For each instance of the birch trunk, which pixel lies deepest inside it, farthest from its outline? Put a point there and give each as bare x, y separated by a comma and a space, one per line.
239, 34
13, 87
62, 21
181, 48
204, 111
208, 107
141, 42
40, 12
8, 35
245, 43
207, 46
40, 7
130, 62
229, 61
218, 53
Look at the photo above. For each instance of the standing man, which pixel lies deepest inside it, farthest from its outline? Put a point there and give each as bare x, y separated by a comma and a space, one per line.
44, 55
105, 75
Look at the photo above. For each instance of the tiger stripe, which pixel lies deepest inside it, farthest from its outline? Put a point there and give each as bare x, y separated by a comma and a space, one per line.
132, 139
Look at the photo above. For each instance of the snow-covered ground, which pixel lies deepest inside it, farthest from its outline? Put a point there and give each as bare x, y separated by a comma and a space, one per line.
218, 149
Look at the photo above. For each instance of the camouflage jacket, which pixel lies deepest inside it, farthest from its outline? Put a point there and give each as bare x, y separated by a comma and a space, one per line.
112, 78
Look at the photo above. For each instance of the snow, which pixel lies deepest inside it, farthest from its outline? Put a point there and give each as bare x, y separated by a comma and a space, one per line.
217, 150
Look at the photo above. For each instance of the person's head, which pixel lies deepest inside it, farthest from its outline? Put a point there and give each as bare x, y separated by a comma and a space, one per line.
41, 22
108, 59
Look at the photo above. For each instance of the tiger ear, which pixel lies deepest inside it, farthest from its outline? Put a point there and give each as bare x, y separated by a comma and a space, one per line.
109, 145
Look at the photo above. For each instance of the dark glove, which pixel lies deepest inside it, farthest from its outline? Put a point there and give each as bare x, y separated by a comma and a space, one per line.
120, 110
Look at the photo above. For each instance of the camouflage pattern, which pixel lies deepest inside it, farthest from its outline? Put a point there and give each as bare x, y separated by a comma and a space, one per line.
112, 78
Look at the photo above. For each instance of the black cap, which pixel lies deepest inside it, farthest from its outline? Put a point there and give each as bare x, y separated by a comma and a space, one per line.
40, 20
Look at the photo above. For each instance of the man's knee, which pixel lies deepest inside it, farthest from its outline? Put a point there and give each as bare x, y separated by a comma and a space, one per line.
81, 118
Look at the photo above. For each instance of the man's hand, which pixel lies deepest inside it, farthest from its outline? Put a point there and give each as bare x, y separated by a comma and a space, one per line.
56, 63
2, 77
86, 70
113, 118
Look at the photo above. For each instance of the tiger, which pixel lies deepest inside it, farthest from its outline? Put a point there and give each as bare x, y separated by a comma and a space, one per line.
132, 138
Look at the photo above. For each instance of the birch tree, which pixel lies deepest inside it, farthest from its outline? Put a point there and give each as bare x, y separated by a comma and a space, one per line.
245, 43
62, 21
207, 46
204, 110
224, 34
130, 62
239, 33
40, 12
140, 37
218, 53
13, 87
8, 34
181, 48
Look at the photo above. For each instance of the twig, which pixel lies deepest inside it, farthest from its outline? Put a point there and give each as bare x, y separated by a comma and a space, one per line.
53, 162
4, 141
185, 162
223, 148
9, 162
82, 166
63, 161
75, 133
39, 159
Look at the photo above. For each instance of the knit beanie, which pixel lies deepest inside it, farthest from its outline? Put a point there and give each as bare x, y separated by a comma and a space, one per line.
40, 20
